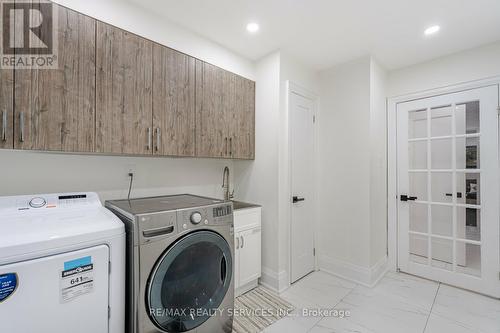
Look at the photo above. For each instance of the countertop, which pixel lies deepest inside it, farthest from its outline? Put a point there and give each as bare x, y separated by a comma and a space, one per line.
239, 205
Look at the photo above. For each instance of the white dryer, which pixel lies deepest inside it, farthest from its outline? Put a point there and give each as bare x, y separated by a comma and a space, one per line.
62, 265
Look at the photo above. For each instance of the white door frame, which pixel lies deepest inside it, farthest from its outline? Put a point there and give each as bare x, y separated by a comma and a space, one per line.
392, 200
292, 87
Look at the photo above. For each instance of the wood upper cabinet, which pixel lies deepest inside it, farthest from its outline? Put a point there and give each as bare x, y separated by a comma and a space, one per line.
124, 94
173, 102
117, 93
242, 120
225, 113
55, 108
6, 108
213, 103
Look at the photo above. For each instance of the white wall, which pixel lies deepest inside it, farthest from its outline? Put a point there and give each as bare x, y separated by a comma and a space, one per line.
344, 170
257, 181
148, 24
475, 64
352, 170
35, 172
266, 180
378, 163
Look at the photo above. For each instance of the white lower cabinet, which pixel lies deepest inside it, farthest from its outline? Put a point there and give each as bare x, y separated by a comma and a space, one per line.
249, 256
248, 269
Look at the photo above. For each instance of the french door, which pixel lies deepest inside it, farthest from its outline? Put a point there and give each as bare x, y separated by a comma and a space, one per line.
448, 172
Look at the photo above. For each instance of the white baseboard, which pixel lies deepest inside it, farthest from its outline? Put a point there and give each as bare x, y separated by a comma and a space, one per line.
365, 276
378, 270
277, 282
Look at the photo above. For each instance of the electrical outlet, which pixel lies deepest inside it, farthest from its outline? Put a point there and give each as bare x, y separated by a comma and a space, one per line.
131, 168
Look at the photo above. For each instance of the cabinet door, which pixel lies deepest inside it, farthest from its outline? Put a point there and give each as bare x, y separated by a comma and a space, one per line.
173, 102
242, 120
214, 97
6, 108
55, 108
250, 255
124, 98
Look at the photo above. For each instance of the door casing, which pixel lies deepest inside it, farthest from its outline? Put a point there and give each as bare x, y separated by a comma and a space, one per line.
392, 166
293, 88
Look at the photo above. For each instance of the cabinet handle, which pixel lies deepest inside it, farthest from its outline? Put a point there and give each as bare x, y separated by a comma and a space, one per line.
149, 139
231, 146
226, 147
237, 243
21, 125
242, 241
4, 125
158, 136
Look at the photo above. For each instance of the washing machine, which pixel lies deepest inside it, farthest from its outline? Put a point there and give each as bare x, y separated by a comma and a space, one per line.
180, 252
62, 265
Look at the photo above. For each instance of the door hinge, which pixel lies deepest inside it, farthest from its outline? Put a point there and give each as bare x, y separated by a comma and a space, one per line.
498, 109
109, 312
109, 267
314, 119
314, 252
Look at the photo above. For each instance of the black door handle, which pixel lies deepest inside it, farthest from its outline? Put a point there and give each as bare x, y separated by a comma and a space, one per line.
459, 195
296, 199
404, 197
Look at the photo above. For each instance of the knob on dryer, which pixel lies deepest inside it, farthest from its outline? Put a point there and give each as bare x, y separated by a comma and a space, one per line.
196, 218
37, 202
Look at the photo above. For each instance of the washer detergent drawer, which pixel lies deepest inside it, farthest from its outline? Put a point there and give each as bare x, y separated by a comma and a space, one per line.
58, 294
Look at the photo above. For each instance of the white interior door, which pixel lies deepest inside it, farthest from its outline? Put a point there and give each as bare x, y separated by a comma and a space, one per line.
302, 151
448, 223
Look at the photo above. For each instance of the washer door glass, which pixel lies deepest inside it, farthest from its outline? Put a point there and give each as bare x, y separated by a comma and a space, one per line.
189, 282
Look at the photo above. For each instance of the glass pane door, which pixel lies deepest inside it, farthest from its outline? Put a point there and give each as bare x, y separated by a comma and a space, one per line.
448, 184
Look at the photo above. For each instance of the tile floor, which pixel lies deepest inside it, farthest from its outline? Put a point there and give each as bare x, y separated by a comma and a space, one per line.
399, 303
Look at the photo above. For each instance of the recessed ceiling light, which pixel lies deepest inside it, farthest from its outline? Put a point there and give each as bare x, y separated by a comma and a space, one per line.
252, 27
432, 30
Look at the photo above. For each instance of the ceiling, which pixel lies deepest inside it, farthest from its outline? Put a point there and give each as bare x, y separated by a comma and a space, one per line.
322, 33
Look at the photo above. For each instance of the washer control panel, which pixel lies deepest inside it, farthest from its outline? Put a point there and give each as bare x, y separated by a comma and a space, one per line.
43, 202
220, 214
221, 211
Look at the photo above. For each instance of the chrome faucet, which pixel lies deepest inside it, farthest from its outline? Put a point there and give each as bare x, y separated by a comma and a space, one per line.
228, 195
